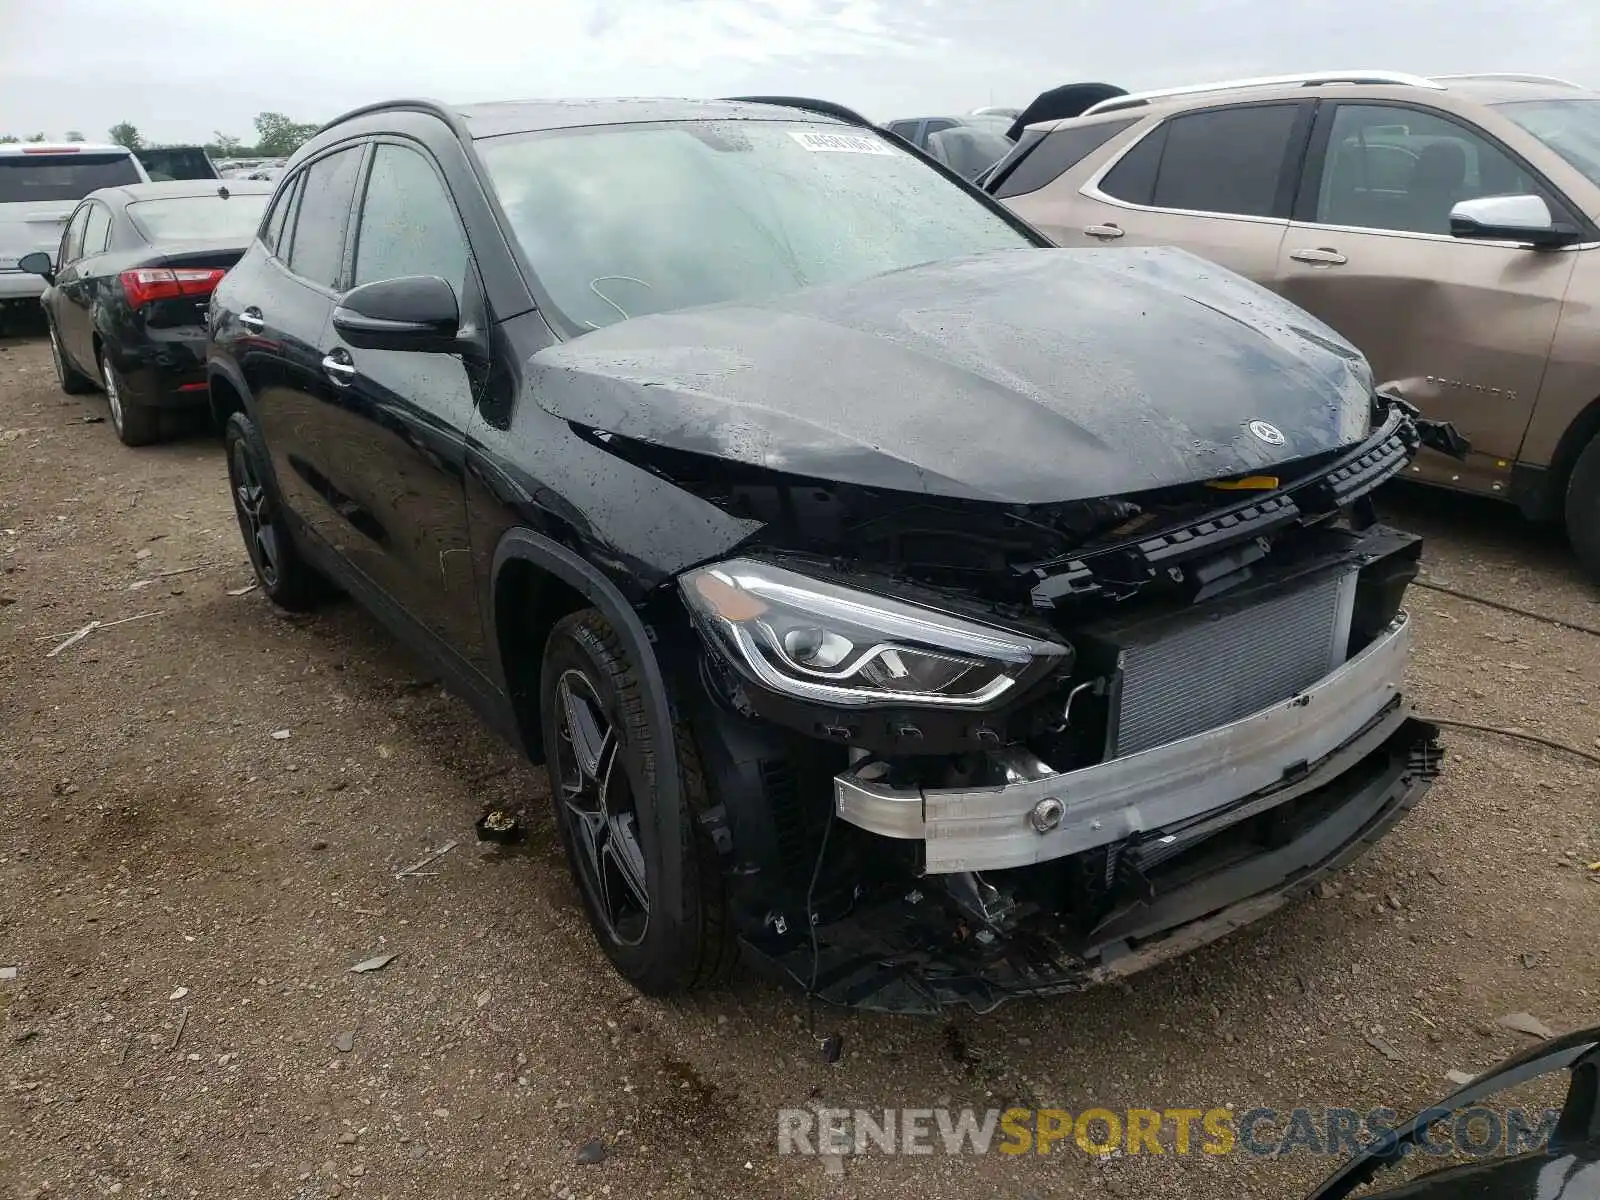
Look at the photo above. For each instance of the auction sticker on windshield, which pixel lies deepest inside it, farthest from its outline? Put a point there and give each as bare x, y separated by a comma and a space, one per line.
848, 143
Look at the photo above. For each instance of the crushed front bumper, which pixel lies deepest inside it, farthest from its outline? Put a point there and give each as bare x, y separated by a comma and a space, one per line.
1283, 751
916, 953
1193, 839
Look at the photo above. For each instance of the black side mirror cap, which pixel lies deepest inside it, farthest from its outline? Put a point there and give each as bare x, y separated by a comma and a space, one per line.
38, 263
418, 313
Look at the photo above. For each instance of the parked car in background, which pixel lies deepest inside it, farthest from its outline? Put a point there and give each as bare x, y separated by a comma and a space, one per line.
936, 614
1450, 227
40, 185
164, 163
126, 291
967, 145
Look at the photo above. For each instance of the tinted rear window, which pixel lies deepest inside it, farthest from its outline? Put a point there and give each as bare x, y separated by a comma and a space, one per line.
1227, 160
185, 162
179, 218
25, 178
1058, 152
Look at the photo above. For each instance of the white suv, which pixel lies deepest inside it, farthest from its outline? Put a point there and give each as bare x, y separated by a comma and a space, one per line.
40, 185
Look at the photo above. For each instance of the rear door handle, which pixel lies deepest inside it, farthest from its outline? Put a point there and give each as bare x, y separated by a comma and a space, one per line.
252, 320
338, 367
1322, 256
1104, 232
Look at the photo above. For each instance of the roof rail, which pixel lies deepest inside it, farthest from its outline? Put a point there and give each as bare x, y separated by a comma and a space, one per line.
826, 107
1511, 77
1307, 79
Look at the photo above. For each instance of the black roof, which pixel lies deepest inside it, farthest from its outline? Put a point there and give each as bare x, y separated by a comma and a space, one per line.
179, 188
529, 116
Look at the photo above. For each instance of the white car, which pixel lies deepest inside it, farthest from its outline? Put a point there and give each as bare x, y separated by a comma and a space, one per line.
40, 185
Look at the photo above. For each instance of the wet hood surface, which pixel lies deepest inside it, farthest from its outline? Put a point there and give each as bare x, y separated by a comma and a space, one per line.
1025, 376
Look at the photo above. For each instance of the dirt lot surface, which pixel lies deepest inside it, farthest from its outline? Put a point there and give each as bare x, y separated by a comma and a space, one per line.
202, 813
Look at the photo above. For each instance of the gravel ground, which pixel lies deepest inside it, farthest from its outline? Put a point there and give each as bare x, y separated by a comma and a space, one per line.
202, 813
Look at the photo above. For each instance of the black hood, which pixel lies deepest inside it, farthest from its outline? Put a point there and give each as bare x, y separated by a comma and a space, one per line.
1022, 376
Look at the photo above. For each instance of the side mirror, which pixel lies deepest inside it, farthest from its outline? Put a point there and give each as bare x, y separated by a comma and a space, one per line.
1523, 219
38, 263
414, 312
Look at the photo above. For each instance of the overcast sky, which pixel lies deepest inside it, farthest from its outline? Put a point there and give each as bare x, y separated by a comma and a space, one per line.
179, 70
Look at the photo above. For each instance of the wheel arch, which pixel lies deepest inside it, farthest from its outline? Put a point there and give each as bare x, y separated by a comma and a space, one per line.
1580, 431
535, 580
228, 393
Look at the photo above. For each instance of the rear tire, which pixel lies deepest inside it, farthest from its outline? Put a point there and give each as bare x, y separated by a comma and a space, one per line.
288, 580
1583, 508
593, 709
135, 424
73, 381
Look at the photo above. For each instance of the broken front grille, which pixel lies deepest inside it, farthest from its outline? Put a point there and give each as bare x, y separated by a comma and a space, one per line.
1186, 678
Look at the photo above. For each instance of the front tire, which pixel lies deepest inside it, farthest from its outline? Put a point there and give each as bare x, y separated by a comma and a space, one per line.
600, 748
288, 580
1583, 508
135, 424
73, 381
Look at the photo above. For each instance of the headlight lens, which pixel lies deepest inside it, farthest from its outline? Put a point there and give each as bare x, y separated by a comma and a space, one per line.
831, 644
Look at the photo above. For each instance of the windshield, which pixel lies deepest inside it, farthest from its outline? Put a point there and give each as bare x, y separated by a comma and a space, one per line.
177, 162
621, 221
179, 218
1569, 127
26, 178
969, 150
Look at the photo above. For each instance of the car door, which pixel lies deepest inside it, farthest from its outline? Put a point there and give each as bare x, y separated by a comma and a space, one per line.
1461, 328
1216, 181
75, 291
284, 319
393, 431
66, 258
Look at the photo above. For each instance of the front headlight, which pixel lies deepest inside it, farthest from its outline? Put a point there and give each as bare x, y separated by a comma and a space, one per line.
834, 645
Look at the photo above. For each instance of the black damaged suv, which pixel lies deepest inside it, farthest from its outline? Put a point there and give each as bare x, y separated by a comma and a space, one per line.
928, 613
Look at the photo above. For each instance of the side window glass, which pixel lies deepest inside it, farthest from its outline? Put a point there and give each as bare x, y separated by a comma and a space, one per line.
72, 239
321, 214
1058, 152
97, 230
272, 227
408, 223
1227, 160
1403, 169
905, 129
1133, 179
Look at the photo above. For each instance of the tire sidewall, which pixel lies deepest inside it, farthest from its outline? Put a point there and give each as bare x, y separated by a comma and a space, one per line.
1582, 510
653, 964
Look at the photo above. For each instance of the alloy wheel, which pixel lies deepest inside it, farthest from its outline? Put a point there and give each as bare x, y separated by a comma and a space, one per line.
256, 522
113, 393
597, 802
56, 360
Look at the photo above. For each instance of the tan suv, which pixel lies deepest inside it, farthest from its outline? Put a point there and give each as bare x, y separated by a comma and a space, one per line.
1447, 226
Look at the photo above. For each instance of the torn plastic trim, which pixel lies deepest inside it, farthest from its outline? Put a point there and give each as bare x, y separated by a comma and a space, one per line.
989, 828
1123, 567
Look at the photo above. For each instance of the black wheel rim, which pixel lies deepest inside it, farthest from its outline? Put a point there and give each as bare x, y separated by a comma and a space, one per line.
255, 514
596, 800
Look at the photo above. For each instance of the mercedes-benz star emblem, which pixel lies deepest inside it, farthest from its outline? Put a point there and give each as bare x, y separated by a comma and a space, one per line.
1270, 434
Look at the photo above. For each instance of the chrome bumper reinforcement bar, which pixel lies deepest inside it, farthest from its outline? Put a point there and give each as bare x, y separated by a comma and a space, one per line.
1282, 751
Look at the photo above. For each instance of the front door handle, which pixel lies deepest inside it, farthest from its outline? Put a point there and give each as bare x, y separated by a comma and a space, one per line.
338, 367
1322, 256
1105, 233
252, 320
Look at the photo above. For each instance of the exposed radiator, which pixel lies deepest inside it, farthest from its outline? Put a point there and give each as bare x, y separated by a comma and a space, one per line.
1214, 670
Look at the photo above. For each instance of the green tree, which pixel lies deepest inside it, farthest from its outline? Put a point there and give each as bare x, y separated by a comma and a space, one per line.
74, 136
125, 133
36, 137
226, 144
7, 139
279, 136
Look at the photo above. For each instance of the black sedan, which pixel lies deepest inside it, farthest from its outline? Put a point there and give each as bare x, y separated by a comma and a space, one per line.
128, 291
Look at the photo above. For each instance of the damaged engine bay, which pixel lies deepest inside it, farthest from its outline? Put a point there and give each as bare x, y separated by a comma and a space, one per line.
1155, 620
